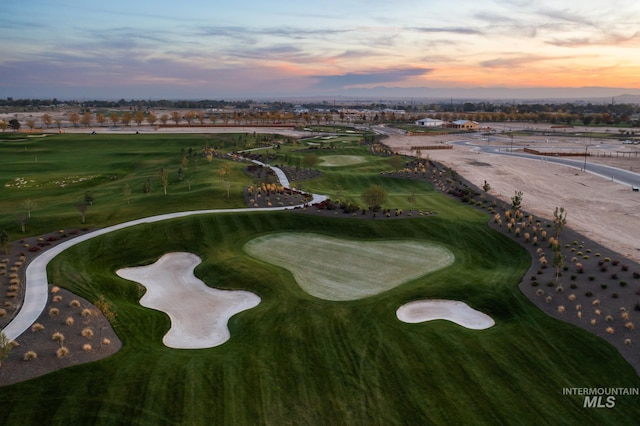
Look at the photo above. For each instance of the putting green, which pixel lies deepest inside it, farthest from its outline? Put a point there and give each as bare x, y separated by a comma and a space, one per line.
341, 160
339, 269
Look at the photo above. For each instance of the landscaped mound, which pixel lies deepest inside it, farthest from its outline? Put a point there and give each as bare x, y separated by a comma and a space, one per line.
450, 310
340, 269
199, 314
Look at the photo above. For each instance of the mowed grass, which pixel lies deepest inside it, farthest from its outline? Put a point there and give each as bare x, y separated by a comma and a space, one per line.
298, 359
54, 173
295, 358
340, 269
341, 160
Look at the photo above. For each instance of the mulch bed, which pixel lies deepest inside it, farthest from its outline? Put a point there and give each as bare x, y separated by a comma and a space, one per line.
71, 315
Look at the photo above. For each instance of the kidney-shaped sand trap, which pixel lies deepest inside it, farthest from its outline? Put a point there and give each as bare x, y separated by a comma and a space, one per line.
450, 310
341, 160
340, 269
199, 314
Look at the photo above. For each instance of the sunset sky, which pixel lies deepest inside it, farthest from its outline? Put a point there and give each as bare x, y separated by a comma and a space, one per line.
279, 48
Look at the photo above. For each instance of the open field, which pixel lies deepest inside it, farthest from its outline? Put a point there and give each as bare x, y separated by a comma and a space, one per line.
296, 358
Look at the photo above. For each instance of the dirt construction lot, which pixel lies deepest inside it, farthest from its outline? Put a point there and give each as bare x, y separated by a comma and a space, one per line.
601, 210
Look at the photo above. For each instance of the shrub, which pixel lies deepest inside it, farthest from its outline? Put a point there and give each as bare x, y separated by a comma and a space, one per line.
548, 299
593, 321
62, 352
3, 312
560, 309
573, 285
55, 289
559, 289
627, 341
87, 332
614, 295
86, 312
86, 347
636, 275
624, 267
37, 327
629, 326
74, 303
69, 321
54, 311
571, 297
592, 278
608, 318
578, 307
29, 355
598, 311
588, 294
58, 337
579, 314
610, 330
614, 276
596, 302
106, 341
623, 283
603, 286
574, 277
550, 284
56, 298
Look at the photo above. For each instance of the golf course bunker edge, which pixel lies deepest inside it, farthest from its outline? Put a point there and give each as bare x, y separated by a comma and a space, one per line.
340, 269
450, 310
199, 314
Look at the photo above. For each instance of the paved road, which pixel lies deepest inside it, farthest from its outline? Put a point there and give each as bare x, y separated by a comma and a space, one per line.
614, 174
36, 282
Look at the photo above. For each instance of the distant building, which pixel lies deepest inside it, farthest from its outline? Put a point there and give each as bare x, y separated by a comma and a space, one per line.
429, 122
465, 124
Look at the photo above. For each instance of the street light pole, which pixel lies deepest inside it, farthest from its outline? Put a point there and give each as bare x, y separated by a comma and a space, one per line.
584, 168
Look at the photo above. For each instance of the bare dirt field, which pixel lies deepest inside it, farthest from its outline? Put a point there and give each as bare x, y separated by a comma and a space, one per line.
601, 210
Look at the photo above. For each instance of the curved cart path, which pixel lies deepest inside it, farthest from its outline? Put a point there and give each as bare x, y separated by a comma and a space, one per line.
36, 283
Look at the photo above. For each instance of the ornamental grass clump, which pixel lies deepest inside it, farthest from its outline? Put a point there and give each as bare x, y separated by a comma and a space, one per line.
37, 327
69, 321
57, 337
629, 326
54, 311
87, 332
29, 355
86, 347
62, 352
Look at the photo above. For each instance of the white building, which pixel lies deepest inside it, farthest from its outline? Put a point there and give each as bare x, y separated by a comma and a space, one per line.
429, 122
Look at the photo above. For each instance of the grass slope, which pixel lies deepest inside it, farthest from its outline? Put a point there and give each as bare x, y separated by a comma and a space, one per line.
297, 359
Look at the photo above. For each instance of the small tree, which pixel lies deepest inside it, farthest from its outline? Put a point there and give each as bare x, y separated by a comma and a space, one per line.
82, 208
310, 160
127, 192
485, 186
516, 201
225, 173
88, 198
147, 186
106, 308
374, 197
559, 220
396, 162
5, 346
29, 205
164, 179
14, 124
5, 243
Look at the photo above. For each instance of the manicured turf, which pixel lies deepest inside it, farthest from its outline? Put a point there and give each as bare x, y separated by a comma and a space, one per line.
298, 359
340, 269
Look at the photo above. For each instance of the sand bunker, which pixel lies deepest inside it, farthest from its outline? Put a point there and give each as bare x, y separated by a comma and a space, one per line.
340, 160
450, 310
340, 269
199, 314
